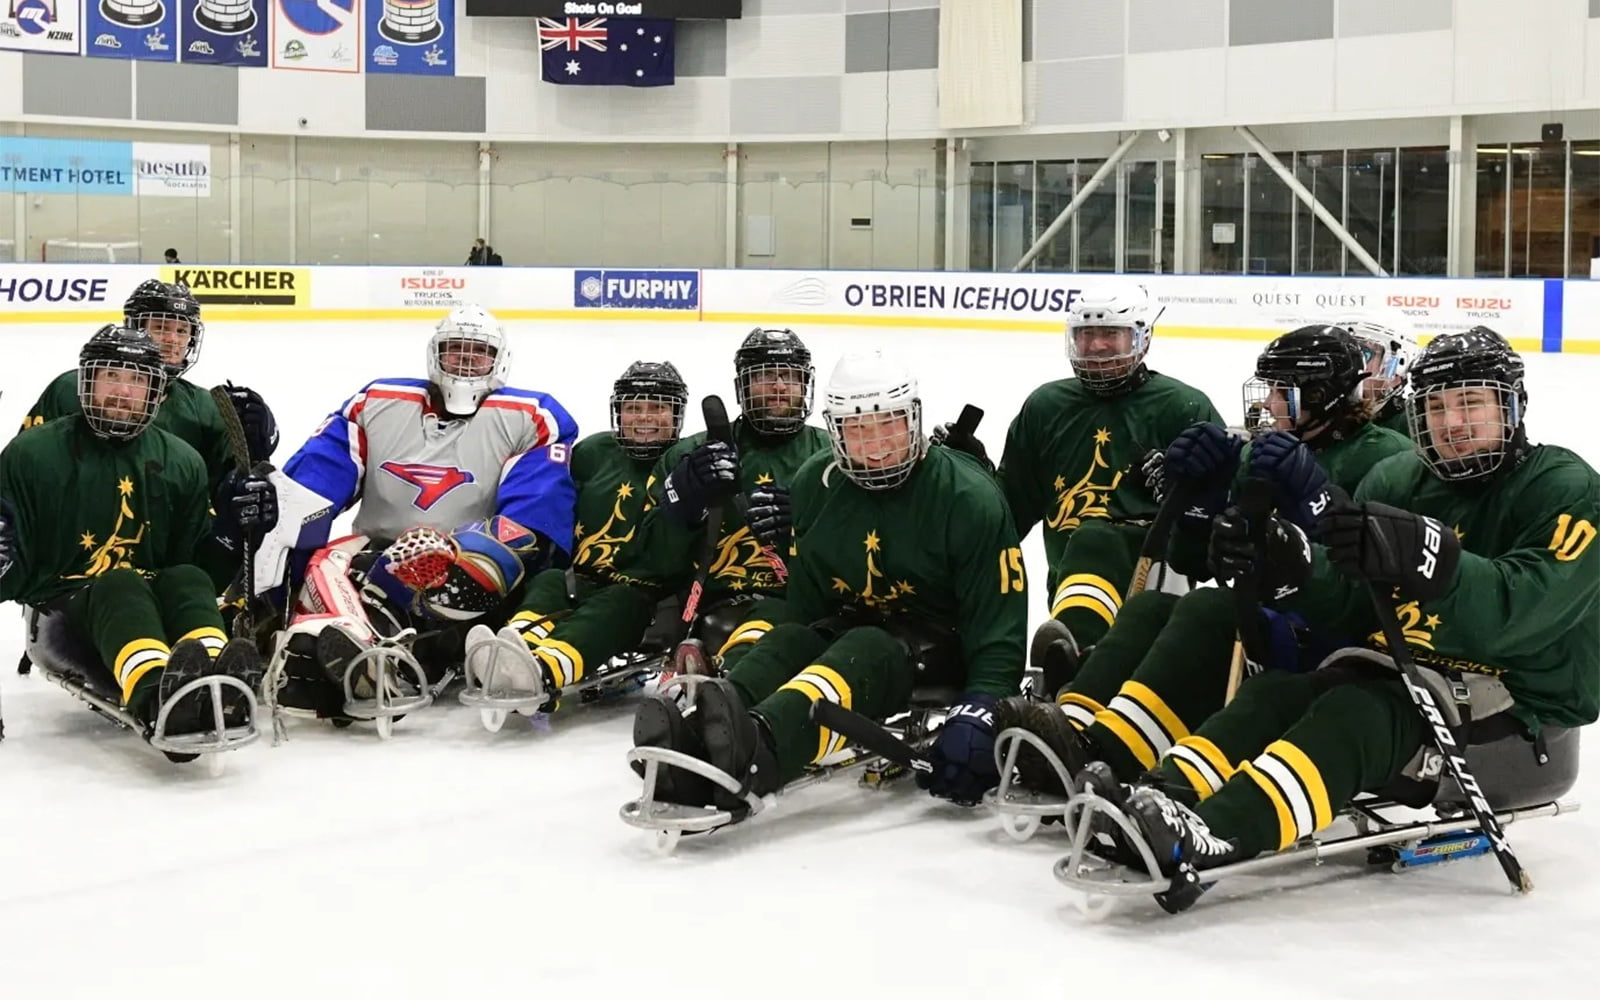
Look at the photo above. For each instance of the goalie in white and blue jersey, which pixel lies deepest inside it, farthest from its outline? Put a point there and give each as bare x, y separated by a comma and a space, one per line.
462, 489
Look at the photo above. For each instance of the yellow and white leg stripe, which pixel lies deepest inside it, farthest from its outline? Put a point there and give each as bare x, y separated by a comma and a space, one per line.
1080, 710
1142, 721
818, 681
1294, 786
136, 659
523, 623
1086, 590
562, 659
213, 639
1199, 760
745, 634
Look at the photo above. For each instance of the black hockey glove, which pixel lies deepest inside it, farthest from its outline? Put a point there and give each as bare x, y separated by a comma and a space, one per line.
1280, 565
1299, 484
770, 517
707, 475
963, 753
1388, 545
8, 536
1202, 460
260, 426
947, 436
245, 505
1152, 469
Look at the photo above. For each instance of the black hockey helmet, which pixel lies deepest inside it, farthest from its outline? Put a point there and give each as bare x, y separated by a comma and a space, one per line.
1317, 370
652, 382
121, 381
1471, 433
167, 311
767, 354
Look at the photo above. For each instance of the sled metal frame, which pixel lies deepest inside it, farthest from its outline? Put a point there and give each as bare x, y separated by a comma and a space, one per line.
210, 744
1099, 884
387, 657
1022, 812
493, 709
667, 822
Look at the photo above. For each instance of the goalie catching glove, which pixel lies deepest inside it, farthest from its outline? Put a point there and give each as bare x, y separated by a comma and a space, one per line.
467, 573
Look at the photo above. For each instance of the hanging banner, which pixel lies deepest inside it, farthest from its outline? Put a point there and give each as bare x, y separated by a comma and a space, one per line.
131, 29
411, 36
41, 26
323, 35
224, 32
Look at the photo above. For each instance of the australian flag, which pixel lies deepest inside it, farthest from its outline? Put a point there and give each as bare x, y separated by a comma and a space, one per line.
607, 51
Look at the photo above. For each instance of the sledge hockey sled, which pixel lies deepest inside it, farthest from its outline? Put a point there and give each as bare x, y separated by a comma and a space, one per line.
65, 659
1520, 779
395, 684
667, 822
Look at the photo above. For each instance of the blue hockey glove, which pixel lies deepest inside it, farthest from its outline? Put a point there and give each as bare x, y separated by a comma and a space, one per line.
707, 475
255, 416
963, 753
1279, 565
245, 504
1202, 461
1300, 486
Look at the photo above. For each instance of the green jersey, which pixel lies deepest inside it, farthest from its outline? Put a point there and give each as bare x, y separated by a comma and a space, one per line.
1525, 603
664, 555
940, 548
83, 505
1068, 454
1393, 417
187, 411
611, 496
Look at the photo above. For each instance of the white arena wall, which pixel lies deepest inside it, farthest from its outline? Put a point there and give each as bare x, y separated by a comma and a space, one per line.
1537, 315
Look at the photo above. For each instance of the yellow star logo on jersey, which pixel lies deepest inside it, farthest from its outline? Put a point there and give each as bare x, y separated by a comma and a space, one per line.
905, 588
840, 586
1060, 484
125, 486
763, 479
624, 490
1086, 498
87, 541
872, 541
1432, 622
1102, 436
577, 529
1459, 533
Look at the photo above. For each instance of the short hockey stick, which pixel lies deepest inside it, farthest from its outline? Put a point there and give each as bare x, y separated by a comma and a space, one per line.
1444, 741
1156, 539
862, 731
244, 621
1255, 503
717, 429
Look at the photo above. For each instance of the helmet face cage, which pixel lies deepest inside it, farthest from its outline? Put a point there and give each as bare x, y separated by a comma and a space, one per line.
467, 361
646, 422
1464, 428
1271, 405
169, 330
120, 397
876, 447
775, 396
1104, 355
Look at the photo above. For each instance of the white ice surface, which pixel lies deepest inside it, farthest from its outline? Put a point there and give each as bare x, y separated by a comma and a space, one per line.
451, 861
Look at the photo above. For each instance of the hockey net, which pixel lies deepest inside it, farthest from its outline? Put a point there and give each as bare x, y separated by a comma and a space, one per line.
75, 252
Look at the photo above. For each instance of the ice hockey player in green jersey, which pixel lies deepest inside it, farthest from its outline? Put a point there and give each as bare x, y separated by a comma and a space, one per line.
170, 315
101, 513
1164, 667
1076, 459
773, 382
905, 570
1389, 350
1486, 542
598, 617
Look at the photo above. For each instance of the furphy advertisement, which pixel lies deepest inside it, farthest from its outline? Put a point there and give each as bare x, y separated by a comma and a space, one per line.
224, 32
320, 35
131, 29
41, 26
411, 36
244, 286
620, 289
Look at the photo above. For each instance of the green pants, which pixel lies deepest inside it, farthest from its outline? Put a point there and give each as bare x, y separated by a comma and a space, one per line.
1093, 573
133, 623
606, 620
1155, 677
865, 670
1292, 749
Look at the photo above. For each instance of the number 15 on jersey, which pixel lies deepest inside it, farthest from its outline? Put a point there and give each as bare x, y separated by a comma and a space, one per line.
1011, 575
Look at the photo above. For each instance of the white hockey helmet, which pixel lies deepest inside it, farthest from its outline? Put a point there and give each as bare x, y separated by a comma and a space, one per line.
468, 358
1108, 335
873, 414
1389, 348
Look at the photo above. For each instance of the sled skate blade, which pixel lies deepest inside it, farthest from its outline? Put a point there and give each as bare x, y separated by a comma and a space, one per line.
500, 676
1020, 810
388, 697
669, 821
